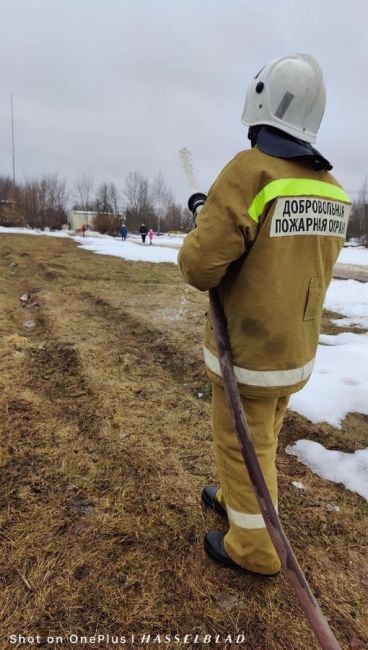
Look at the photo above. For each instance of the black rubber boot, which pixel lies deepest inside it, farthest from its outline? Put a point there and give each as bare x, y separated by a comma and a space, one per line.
210, 501
215, 549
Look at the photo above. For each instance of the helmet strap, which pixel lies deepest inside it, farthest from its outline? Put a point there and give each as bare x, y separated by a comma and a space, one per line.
253, 134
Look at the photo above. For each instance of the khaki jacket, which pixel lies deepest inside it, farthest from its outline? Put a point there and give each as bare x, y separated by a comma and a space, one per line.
268, 236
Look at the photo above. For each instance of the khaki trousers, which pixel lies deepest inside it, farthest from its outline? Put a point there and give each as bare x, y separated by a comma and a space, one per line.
247, 541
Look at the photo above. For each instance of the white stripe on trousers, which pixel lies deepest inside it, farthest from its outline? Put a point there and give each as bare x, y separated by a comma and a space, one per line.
243, 520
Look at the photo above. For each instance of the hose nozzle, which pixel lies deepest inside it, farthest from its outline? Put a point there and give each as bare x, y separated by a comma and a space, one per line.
196, 202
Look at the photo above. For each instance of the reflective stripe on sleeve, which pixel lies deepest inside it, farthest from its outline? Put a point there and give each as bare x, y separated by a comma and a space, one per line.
294, 187
261, 377
244, 520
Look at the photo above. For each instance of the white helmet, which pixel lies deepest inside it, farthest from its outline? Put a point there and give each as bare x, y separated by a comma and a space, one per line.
288, 94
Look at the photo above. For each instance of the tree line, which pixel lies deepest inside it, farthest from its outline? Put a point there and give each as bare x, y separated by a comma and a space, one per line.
358, 222
43, 203
37, 203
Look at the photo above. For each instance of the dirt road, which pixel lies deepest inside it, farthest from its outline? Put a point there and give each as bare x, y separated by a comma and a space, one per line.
105, 446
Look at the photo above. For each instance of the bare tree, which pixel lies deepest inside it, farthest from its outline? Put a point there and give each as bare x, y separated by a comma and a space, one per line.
10, 208
363, 212
173, 217
83, 193
114, 199
9, 213
187, 220
6, 186
137, 197
107, 199
161, 198
43, 202
358, 223
56, 198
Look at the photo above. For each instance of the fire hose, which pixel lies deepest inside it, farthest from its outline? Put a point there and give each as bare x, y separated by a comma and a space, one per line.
280, 541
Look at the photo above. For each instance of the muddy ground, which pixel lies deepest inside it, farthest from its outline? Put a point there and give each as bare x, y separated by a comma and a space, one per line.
105, 446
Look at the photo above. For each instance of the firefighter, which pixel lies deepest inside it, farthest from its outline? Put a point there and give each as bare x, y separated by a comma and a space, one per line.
267, 236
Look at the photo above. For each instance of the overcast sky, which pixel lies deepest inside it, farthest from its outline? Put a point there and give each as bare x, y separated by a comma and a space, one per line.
113, 86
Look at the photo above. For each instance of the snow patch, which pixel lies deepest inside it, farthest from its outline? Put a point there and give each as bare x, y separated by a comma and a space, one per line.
353, 255
349, 469
339, 383
349, 298
298, 485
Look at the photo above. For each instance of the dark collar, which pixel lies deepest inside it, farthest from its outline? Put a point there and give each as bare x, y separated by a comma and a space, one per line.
279, 144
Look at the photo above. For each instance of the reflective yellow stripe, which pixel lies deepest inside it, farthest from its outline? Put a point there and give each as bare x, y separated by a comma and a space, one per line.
294, 187
269, 378
244, 520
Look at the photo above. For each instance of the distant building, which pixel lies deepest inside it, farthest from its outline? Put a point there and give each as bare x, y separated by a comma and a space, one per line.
76, 219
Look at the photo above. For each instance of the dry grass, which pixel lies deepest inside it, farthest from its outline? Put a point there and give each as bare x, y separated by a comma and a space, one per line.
105, 448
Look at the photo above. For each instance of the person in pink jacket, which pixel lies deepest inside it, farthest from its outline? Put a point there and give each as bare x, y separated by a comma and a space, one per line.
150, 235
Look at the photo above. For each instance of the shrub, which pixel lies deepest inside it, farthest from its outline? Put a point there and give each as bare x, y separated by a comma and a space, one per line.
107, 224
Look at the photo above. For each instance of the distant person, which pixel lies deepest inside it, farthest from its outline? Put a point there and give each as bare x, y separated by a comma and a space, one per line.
83, 229
143, 230
123, 232
150, 235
